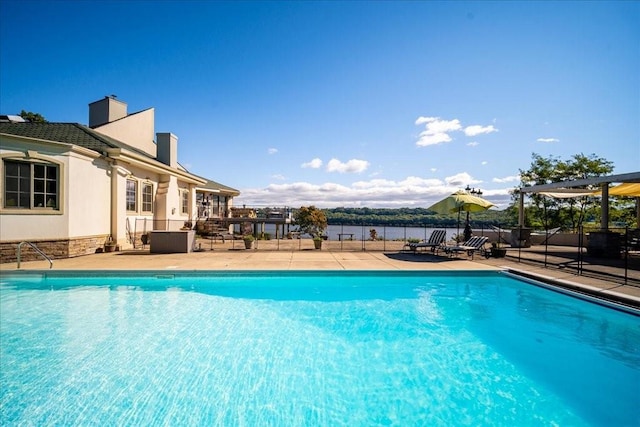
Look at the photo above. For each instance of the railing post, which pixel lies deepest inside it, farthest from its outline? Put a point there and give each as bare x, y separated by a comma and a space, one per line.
626, 253
384, 238
519, 245
546, 245
580, 246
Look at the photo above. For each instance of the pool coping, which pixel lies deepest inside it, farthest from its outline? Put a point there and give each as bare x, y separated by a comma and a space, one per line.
594, 294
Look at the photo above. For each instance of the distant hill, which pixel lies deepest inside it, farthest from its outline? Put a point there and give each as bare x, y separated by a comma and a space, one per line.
400, 217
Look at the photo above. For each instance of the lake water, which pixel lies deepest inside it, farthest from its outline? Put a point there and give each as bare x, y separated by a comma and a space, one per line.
361, 232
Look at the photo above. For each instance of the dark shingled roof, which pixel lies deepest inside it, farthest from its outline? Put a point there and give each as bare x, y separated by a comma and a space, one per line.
82, 136
69, 133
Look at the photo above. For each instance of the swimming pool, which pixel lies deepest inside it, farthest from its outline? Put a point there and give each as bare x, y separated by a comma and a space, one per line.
310, 349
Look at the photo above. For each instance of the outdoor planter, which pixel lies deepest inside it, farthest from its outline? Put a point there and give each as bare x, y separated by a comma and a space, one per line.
498, 252
109, 245
248, 242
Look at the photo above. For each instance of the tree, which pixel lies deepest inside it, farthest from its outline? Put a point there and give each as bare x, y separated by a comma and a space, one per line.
548, 212
32, 117
311, 220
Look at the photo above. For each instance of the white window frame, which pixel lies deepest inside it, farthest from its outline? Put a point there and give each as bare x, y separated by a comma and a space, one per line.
145, 186
52, 199
135, 195
184, 202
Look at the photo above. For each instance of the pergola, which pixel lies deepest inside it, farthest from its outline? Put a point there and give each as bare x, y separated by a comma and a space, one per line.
603, 242
630, 186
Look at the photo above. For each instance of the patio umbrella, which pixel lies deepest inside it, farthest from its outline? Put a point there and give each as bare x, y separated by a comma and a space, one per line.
458, 202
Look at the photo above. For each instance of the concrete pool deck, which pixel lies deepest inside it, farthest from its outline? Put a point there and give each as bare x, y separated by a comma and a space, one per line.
238, 260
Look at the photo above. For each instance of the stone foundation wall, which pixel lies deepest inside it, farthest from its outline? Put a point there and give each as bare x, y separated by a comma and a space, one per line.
54, 249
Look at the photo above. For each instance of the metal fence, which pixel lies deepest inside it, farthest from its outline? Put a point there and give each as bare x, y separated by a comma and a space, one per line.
615, 258
572, 252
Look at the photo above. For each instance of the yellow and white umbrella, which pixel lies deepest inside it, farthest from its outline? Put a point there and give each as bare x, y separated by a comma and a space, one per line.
458, 202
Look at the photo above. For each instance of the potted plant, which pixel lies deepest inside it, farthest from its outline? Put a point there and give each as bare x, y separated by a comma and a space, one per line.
317, 242
497, 251
109, 244
312, 221
248, 241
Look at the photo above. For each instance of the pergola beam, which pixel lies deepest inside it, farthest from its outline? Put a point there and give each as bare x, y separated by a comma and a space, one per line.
603, 181
624, 177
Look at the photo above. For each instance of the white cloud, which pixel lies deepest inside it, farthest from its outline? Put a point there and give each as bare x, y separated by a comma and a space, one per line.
278, 176
427, 139
548, 140
313, 164
351, 166
460, 180
484, 163
433, 169
422, 120
411, 191
512, 178
272, 150
436, 130
478, 130
473, 144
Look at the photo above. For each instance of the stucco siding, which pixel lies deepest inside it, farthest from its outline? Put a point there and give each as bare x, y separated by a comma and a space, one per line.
88, 202
137, 130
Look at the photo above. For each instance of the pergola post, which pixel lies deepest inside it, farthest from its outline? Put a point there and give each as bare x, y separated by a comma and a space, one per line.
521, 210
604, 221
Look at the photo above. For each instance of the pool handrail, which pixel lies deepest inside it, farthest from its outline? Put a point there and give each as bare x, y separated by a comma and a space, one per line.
35, 248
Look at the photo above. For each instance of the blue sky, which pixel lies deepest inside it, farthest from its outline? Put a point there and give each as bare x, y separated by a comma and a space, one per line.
378, 104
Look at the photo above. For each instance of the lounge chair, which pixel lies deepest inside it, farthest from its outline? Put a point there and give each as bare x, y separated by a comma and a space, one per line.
436, 239
471, 246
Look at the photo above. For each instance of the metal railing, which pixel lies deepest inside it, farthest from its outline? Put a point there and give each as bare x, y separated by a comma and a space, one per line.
35, 248
612, 254
572, 252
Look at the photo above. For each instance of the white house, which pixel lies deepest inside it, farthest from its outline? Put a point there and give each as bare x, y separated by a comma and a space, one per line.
69, 188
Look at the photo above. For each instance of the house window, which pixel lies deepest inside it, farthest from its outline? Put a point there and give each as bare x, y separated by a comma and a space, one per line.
185, 203
30, 185
147, 197
132, 195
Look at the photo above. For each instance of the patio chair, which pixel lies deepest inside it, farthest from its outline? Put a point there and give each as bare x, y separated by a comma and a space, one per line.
436, 239
471, 246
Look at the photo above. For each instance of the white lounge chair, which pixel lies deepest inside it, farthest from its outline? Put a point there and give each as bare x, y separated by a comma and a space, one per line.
436, 239
471, 246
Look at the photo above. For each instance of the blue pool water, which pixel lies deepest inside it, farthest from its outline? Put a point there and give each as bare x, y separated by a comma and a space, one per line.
311, 349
